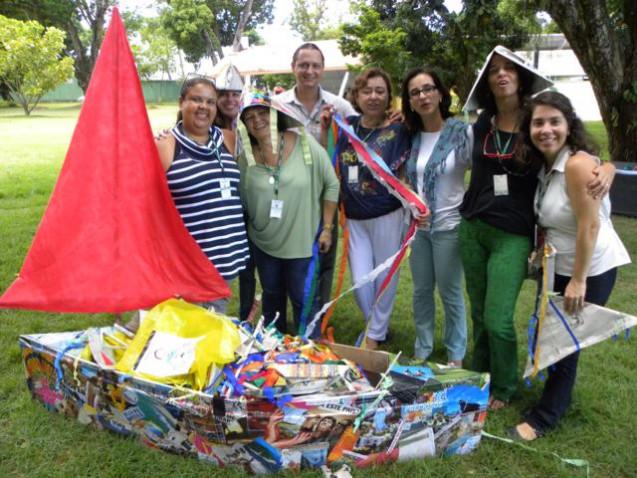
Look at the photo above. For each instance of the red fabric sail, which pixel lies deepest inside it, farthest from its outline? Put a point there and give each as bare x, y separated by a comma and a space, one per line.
111, 238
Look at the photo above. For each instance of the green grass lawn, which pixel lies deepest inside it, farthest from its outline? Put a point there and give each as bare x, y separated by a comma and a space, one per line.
600, 426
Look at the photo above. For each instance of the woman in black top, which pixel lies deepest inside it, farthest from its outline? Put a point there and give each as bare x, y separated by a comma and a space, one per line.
497, 216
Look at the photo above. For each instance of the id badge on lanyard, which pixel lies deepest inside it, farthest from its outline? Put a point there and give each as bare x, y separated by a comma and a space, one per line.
276, 209
352, 174
500, 185
226, 188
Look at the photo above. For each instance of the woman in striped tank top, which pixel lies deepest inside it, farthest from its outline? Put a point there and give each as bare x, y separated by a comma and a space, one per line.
204, 181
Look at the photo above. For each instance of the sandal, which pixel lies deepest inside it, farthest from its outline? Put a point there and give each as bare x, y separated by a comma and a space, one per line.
514, 433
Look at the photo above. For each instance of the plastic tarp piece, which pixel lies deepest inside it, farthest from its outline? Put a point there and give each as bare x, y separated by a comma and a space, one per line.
560, 337
111, 239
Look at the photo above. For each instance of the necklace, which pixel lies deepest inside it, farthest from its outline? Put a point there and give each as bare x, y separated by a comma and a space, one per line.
498, 144
274, 171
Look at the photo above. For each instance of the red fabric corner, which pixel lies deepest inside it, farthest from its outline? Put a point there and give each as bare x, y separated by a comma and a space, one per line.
111, 238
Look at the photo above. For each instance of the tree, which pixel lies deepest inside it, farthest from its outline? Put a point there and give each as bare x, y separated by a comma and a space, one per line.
308, 18
377, 44
471, 34
603, 35
245, 16
190, 25
82, 20
152, 47
453, 43
270, 81
201, 27
30, 63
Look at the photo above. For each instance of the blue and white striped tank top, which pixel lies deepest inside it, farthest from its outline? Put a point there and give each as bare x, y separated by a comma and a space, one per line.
196, 180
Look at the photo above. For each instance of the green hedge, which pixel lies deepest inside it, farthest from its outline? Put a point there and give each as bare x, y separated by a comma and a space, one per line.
155, 91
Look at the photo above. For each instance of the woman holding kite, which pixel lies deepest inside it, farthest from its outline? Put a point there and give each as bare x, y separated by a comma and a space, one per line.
576, 224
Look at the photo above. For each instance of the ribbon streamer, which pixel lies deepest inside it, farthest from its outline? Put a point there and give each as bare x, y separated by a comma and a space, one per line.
569, 461
311, 283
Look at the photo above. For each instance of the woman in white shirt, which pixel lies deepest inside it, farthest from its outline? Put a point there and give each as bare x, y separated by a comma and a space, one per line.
577, 225
440, 156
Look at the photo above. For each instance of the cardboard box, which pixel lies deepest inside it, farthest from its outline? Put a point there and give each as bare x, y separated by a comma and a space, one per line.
441, 414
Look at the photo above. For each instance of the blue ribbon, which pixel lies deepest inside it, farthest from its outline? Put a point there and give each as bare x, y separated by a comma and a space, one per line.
568, 328
269, 395
531, 336
309, 289
77, 343
236, 386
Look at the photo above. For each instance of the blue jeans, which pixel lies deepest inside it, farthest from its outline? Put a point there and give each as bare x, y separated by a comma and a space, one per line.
278, 275
558, 389
435, 260
220, 305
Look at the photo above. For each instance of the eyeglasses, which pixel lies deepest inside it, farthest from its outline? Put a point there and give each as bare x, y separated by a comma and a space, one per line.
425, 90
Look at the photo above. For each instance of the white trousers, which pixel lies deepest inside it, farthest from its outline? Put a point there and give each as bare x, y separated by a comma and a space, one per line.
371, 242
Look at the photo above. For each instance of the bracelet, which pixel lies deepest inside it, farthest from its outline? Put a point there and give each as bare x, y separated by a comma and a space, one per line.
328, 227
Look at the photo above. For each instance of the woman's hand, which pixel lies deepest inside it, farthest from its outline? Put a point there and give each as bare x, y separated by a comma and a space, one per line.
574, 296
162, 134
325, 240
600, 185
395, 116
424, 221
327, 111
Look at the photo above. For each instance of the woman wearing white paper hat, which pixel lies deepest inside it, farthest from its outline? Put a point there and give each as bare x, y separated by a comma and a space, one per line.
285, 179
229, 85
497, 216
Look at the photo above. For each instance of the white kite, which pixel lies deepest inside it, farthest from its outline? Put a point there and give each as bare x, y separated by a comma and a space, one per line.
554, 334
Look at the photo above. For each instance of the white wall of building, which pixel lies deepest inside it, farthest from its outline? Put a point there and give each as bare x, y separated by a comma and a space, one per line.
563, 67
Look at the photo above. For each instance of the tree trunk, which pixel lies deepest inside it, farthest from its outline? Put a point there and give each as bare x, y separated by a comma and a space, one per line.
210, 47
93, 14
81, 64
245, 15
608, 55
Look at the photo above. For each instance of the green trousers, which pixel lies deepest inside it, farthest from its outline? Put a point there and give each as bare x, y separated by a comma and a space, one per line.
495, 266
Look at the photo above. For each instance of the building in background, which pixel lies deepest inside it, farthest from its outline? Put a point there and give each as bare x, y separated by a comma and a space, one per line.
553, 56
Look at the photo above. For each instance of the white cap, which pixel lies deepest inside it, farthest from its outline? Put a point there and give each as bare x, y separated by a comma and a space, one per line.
540, 82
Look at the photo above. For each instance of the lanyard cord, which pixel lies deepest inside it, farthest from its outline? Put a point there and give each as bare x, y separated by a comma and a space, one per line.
358, 128
498, 145
275, 172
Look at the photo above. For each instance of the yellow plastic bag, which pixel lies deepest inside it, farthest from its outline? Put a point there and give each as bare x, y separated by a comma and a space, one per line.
178, 342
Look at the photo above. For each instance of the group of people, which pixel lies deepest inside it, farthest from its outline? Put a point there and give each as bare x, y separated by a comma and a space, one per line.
255, 186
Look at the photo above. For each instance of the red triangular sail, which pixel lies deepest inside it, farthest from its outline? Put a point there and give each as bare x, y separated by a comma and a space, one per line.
111, 238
